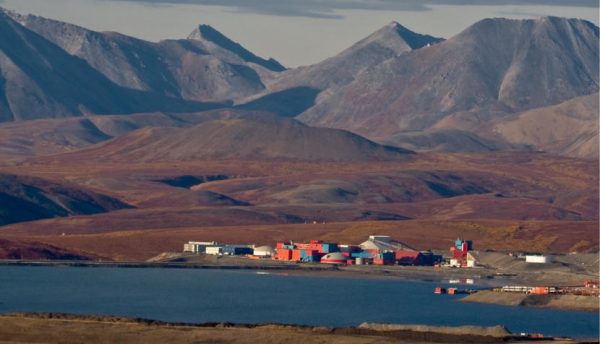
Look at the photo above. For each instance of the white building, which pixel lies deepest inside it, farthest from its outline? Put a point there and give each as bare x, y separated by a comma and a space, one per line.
455, 263
264, 251
198, 246
536, 259
214, 250
471, 261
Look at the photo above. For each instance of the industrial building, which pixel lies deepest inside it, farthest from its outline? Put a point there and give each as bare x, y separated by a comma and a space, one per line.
264, 251
299, 252
461, 254
214, 248
198, 246
229, 250
377, 250
536, 259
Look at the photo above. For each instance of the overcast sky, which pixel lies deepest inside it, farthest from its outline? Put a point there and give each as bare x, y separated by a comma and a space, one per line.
295, 32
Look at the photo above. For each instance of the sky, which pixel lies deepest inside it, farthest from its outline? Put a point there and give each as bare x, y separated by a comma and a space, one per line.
295, 32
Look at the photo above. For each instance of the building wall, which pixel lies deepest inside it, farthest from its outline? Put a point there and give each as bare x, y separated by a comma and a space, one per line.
215, 250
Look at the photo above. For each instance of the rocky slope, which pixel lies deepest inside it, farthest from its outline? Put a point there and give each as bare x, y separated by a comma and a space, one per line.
329, 76
447, 94
205, 67
40, 80
569, 128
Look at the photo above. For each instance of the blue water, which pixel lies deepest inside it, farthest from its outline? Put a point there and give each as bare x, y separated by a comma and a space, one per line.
189, 295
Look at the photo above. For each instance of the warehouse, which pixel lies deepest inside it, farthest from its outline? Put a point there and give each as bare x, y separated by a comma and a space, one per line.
301, 252
198, 246
236, 250
229, 250
214, 250
536, 259
264, 251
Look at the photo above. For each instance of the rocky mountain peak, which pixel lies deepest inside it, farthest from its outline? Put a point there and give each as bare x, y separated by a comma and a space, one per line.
211, 36
398, 38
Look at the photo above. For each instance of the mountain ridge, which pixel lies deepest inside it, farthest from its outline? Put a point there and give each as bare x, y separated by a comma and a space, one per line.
41, 80
208, 33
394, 86
491, 70
195, 70
258, 138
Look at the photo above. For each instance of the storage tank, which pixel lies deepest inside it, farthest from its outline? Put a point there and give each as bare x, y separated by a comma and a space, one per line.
334, 258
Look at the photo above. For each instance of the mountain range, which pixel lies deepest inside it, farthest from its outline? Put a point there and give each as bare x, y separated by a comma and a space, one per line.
464, 86
492, 87
114, 147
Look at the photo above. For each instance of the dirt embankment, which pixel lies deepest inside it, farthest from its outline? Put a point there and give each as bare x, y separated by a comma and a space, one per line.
570, 302
63, 328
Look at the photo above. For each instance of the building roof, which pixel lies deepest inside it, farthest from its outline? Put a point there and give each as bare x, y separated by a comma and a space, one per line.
385, 246
384, 238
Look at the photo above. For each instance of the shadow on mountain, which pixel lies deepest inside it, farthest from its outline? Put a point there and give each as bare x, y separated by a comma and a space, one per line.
25, 198
286, 103
188, 181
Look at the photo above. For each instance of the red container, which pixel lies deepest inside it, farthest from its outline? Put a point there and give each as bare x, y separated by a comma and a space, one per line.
283, 254
296, 255
540, 291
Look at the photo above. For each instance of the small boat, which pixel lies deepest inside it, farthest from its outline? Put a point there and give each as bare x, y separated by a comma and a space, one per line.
439, 290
